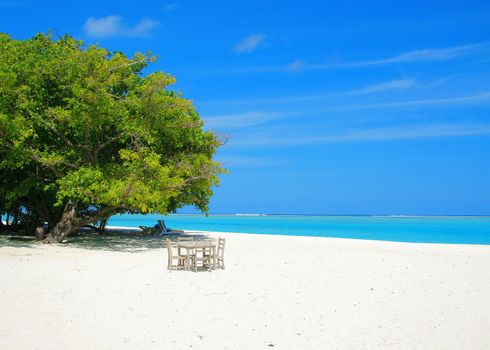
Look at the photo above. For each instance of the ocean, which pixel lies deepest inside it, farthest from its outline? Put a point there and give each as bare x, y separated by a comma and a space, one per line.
426, 229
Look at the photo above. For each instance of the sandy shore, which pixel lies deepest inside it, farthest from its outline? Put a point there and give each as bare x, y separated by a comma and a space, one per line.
277, 291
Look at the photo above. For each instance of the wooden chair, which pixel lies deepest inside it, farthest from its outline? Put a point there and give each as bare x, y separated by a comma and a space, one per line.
147, 230
188, 252
163, 229
159, 229
181, 259
220, 253
204, 255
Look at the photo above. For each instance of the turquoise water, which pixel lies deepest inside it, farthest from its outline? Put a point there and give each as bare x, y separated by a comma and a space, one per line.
434, 229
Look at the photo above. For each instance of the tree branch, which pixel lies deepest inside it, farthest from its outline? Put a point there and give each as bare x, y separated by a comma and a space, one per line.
60, 135
128, 64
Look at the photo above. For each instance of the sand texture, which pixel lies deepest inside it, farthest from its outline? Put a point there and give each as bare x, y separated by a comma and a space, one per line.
276, 292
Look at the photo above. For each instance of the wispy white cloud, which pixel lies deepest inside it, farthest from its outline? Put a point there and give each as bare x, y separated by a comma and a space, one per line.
169, 7
251, 162
422, 55
143, 28
249, 44
366, 135
415, 56
461, 100
255, 119
296, 66
400, 84
478, 98
240, 120
103, 27
114, 26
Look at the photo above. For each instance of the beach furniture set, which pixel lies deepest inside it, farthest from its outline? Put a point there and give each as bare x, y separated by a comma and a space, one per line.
191, 255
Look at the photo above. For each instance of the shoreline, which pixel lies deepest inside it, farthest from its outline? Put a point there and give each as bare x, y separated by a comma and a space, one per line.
130, 229
430, 230
327, 215
115, 230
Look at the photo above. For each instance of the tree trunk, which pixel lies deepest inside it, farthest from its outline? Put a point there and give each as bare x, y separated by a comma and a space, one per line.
102, 225
40, 234
66, 225
69, 222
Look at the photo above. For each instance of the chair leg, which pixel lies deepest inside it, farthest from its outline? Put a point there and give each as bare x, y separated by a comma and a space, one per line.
187, 262
208, 263
221, 263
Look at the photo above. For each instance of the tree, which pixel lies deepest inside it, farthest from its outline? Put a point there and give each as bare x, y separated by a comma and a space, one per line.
84, 134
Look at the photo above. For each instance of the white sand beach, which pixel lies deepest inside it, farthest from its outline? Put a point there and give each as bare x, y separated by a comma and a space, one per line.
277, 292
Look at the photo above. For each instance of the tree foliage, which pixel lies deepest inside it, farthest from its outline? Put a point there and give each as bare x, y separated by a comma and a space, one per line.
83, 130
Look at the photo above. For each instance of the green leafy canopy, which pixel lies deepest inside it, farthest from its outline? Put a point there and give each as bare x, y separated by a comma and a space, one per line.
84, 125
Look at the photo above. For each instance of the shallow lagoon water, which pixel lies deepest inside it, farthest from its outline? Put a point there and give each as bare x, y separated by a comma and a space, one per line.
426, 229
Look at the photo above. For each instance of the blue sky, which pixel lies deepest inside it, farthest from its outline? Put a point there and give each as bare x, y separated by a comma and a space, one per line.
333, 107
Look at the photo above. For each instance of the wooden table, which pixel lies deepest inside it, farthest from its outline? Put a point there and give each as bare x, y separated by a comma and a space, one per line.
190, 246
